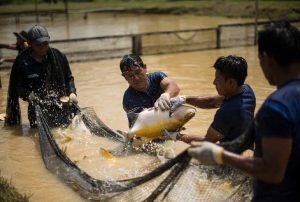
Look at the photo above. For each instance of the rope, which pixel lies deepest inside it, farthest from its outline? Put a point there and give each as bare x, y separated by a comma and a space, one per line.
173, 176
187, 39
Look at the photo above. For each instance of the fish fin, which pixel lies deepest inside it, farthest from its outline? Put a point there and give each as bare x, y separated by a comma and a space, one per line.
119, 151
106, 154
170, 135
133, 114
122, 149
146, 139
66, 139
126, 136
171, 112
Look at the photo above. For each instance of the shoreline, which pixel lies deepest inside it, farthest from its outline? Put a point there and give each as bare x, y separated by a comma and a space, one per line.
272, 10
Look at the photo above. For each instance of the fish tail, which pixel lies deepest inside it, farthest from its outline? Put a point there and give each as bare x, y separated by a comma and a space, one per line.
128, 139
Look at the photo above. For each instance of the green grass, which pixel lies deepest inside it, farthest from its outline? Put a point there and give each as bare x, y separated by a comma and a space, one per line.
231, 8
9, 194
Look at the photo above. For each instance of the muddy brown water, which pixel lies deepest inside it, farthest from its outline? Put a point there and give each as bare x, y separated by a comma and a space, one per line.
100, 85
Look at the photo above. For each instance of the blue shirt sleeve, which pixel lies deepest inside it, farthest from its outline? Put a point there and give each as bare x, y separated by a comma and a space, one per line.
155, 78
235, 114
273, 121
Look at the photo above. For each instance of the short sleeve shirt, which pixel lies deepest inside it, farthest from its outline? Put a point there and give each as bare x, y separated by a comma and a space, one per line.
279, 117
136, 101
235, 114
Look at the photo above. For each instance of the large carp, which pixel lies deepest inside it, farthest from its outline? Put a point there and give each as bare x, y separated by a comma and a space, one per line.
150, 123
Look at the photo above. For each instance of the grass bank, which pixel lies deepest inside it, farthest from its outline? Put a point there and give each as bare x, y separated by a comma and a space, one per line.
9, 193
273, 10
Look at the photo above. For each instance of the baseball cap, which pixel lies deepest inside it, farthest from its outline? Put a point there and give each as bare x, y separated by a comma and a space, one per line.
38, 34
22, 35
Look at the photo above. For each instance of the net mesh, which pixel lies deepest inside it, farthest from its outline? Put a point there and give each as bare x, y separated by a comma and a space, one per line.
175, 179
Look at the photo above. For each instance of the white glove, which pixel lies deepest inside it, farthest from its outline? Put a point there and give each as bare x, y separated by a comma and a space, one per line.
32, 97
73, 98
163, 102
206, 152
177, 102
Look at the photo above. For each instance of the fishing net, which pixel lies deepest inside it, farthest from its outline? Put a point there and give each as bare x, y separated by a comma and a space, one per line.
168, 179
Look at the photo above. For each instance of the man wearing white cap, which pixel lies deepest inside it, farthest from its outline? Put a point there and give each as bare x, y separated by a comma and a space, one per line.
42, 75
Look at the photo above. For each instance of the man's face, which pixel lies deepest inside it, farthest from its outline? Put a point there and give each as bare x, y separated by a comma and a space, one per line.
264, 61
40, 49
221, 84
136, 77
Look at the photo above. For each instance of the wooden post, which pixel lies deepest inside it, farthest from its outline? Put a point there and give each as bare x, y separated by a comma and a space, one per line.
218, 37
256, 19
17, 18
52, 16
137, 44
66, 9
36, 11
85, 16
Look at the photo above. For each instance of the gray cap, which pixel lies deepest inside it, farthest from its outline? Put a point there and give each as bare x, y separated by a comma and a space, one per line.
38, 34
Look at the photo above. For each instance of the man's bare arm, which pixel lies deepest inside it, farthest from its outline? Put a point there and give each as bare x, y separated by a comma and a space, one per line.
205, 102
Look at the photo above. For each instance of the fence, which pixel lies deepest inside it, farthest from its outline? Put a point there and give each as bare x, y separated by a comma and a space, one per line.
222, 36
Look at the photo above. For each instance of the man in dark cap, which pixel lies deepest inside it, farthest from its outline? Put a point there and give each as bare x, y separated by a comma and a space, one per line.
40, 75
20, 45
22, 38
21, 42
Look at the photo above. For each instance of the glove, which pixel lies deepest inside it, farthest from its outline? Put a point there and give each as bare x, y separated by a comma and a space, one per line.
177, 102
206, 152
32, 98
73, 98
163, 102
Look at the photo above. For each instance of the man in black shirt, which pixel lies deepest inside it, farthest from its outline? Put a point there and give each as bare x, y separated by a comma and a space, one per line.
40, 75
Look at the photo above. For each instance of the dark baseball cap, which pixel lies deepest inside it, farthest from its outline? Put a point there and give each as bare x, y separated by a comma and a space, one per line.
22, 35
38, 34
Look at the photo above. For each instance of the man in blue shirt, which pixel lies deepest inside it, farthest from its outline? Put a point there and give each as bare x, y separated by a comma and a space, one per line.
145, 90
237, 102
276, 163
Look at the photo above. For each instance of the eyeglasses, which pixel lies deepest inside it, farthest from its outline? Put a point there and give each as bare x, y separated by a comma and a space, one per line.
130, 75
